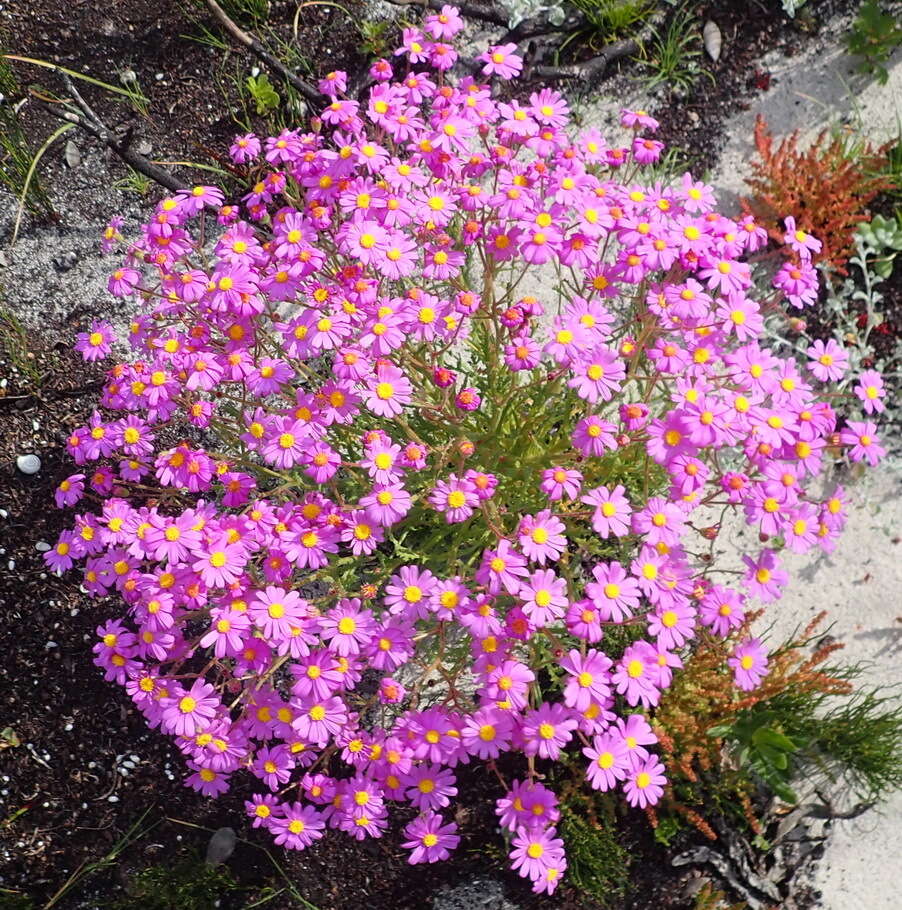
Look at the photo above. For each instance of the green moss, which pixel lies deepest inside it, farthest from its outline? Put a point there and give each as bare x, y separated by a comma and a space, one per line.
597, 863
189, 884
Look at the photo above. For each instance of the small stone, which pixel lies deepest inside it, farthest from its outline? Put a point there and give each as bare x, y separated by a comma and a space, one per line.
28, 464
221, 846
143, 147
42, 546
65, 261
72, 154
50, 645
113, 799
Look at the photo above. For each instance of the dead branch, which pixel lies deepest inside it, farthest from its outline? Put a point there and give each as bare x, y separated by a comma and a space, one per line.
89, 123
470, 10
252, 44
538, 26
589, 70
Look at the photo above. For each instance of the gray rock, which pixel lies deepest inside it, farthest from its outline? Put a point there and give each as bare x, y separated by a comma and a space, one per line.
479, 894
28, 464
221, 846
65, 261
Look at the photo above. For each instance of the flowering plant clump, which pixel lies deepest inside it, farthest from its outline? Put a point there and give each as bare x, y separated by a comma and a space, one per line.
374, 510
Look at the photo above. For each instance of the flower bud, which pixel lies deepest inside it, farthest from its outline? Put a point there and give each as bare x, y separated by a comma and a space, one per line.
468, 399
443, 377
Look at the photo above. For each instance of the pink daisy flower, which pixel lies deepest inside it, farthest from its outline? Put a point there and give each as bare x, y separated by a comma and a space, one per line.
428, 839
749, 664
541, 537
455, 498
558, 482
828, 361
608, 761
864, 445
544, 597
871, 391
612, 511
500, 60
645, 783
614, 592
97, 343
588, 678
547, 730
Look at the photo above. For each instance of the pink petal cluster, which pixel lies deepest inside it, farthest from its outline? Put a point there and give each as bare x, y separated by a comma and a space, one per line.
322, 374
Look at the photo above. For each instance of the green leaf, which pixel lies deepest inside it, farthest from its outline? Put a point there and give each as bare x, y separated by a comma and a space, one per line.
263, 93
765, 737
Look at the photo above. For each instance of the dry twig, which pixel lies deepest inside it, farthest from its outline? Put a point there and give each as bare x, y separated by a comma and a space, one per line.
314, 97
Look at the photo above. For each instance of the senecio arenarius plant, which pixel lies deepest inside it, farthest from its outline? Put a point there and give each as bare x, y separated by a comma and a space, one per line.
411, 472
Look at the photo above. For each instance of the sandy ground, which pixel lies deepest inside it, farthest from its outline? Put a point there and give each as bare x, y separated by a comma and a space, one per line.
860, 587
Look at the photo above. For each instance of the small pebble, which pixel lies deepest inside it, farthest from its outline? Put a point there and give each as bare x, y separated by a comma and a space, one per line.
28, 464
42, 546
113, 799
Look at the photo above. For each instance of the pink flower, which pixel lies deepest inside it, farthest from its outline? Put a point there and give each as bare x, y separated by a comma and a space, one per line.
455, 497
588, 678
608, 761
612, 511
535, 852
749, 664
636, 673
645, 783
296, 826
277, 611
501, 568
541, 537
510, 682
593, 435
430, 787
347, 627
871, 391
764, 579
500, 60
487, 732
614, 593
430, 840
828, 361
547, 730
864, 445
798, 240
388, 392
544, 597
97, 343
558, 482
185, 711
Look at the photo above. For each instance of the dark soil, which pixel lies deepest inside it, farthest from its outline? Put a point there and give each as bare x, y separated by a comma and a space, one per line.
694, 123
189, 86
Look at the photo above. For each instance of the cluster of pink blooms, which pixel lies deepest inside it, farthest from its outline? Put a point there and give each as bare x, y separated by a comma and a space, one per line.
263, 432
